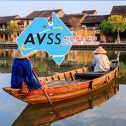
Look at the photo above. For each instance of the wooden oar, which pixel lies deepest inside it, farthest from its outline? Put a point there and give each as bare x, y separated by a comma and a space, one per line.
47, 96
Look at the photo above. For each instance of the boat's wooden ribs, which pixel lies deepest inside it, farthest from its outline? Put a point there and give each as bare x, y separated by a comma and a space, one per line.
85, 70
43, 79
80, 70
73, 74
61, 76
67, 76
56, 77
50, 78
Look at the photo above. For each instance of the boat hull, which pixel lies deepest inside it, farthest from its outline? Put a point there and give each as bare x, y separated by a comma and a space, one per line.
42, 114
61, 89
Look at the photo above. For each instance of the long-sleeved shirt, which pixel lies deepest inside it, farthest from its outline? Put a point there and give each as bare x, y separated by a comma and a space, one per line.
101, 63
21, 70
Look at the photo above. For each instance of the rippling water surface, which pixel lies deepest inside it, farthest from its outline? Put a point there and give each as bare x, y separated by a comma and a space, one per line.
111, 112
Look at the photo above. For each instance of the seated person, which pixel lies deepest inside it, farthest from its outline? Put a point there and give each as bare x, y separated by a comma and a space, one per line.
22, 76
101, 62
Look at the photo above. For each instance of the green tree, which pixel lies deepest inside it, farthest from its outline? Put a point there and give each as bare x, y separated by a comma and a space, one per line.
12, 28
118, 24
106, 28
2, 31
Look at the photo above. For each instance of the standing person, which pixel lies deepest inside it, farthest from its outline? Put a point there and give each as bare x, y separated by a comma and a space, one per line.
22, 76
101, 61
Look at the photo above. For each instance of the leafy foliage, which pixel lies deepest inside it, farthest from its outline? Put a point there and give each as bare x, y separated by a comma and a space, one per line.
12, 28
106, 27
2, 31
118, 23
114, 24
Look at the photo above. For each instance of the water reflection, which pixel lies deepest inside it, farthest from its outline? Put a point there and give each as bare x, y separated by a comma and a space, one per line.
10, 108
42, 114
44, 65
112, 113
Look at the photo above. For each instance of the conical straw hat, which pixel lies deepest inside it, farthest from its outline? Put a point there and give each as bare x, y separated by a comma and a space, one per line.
100, 50
18, 54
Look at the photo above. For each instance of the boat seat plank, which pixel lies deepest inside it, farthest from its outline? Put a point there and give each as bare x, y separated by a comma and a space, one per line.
89, 75
61, 82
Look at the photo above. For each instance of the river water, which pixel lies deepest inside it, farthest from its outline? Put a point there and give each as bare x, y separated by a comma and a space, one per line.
104, 109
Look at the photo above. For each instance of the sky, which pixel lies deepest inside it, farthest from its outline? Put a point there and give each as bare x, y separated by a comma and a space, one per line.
23, 8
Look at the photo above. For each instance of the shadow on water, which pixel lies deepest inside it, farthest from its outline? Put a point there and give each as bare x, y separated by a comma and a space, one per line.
41, 114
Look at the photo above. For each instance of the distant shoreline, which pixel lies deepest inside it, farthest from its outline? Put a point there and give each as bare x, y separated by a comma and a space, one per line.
107, 46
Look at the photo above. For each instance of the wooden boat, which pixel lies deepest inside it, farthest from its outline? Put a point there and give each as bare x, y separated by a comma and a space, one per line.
69, 85
41, 114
